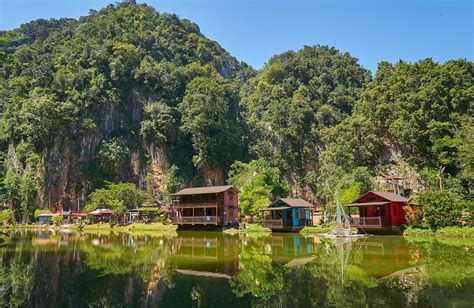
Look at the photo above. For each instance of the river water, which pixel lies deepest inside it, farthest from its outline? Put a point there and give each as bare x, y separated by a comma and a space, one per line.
196, 269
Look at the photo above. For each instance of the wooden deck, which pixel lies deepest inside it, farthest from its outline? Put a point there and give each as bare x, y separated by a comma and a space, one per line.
203, 204
279, 225
366, 222
196, 220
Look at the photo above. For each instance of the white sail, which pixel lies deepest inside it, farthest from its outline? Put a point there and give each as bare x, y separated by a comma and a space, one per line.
341, 218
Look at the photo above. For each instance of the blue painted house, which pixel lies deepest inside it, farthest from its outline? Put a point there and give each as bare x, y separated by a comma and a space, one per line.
287, 214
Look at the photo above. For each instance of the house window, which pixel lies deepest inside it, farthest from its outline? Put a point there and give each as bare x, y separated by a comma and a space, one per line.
381, 211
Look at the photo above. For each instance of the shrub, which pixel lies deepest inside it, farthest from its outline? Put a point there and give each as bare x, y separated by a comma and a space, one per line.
412, 231
441, 208
256, 228
414, 216
56, 219
459, 232
6, 215
316, 230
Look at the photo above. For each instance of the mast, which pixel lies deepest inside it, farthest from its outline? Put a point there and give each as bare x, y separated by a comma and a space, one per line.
341, 218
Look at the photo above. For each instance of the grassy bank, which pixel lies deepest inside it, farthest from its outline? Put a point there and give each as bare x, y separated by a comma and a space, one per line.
134, 228
28, 227
455, 232
252, 228
315, 230
145, 228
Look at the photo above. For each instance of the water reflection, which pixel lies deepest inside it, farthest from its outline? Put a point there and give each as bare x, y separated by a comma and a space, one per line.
45, 269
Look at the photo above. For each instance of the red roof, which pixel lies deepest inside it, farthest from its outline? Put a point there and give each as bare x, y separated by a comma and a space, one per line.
392, 197
101, 211
204, 190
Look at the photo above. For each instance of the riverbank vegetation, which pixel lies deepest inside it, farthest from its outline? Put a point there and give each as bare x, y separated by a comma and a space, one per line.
248, 228
133, 228
315, 230
99, 106
459, 232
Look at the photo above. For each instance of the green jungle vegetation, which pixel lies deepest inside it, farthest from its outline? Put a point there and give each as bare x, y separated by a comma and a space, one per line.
128, 96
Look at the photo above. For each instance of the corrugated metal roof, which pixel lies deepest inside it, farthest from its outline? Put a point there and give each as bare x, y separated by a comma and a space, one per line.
295, 202
101, 211
278, 208
390, 196
203, 190
368, 203
46, 215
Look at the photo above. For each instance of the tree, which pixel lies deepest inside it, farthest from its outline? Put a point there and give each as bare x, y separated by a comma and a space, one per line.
83, 95
210, 115
21, 194
117, 197
292, 99
6, 216
419, 108
113, 153
442, 208
349, 145
259, 183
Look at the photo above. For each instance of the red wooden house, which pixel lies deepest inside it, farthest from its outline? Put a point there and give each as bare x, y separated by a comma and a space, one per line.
379, 212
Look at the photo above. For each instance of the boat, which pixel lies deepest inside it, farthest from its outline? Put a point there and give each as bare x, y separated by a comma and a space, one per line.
342, 227
343, 224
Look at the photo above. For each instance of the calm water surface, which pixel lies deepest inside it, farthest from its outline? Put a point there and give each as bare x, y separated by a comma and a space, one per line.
190, 269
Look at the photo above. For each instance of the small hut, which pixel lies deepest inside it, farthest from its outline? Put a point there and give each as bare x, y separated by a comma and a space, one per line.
379, 212
45, 218
287, 214
102, 215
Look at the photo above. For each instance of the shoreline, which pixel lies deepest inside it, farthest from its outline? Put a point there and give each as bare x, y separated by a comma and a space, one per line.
158, 228
135, 228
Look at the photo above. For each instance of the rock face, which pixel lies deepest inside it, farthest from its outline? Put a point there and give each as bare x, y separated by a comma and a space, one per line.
64, 184
74, 97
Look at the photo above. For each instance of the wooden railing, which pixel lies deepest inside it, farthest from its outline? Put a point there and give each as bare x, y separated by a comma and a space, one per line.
366, 221
306, 222
203, 220
196, 204
269, 223
272, 223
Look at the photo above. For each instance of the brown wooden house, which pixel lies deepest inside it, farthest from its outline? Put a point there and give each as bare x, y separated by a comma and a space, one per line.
379, 212
215, 205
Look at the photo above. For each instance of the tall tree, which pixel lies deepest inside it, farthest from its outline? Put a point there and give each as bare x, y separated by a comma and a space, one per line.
210, 115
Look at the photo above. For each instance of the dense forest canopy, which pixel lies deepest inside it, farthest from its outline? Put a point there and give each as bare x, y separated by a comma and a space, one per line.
128, 94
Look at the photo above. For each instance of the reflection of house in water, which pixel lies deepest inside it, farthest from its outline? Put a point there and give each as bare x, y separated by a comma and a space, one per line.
205, 254
217, 256
289, 249
382, 257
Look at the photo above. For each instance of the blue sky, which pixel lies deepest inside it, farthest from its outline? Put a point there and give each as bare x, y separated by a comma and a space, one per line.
254, 30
